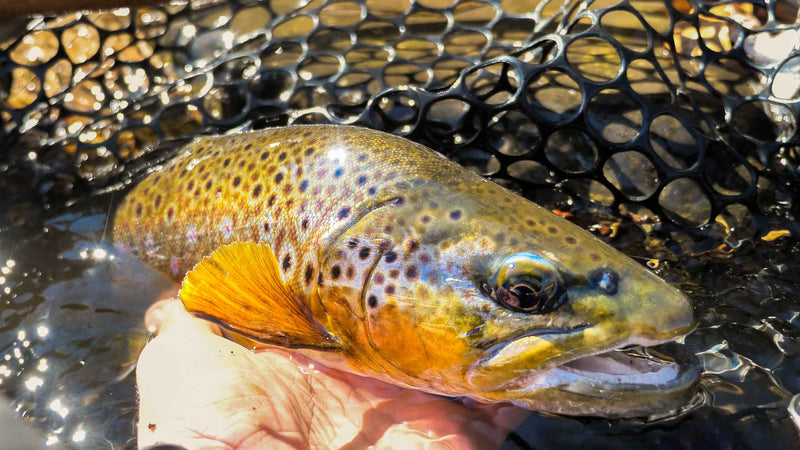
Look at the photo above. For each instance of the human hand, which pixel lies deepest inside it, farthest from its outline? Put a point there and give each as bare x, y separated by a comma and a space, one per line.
200, 390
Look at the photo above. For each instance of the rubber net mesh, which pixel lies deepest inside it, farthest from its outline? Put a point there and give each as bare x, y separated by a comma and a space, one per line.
679, 117
676, 113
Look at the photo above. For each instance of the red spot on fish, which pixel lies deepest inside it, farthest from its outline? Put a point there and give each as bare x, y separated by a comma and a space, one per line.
174, 264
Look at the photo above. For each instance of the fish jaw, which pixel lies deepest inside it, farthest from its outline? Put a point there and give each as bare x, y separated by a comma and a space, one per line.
588, 369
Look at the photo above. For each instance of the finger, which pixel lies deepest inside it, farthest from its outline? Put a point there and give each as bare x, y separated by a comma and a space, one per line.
170, 314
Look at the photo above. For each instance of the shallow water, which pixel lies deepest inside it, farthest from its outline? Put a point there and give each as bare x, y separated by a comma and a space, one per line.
72, 325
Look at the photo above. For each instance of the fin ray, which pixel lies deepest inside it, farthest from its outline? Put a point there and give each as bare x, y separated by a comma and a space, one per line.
240, 288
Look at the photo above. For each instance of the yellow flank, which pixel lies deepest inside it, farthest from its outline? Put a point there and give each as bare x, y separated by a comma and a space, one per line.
407, 267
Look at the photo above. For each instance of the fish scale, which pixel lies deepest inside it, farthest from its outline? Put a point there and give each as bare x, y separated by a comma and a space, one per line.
254, 187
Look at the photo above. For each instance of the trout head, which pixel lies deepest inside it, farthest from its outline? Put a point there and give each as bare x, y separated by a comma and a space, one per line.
463, 288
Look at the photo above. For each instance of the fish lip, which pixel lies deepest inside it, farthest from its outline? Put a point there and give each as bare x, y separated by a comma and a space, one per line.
495, 346
681, 363
677, 371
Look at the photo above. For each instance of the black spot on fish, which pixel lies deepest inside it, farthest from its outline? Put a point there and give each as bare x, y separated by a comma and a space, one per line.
372, 301
338, 172
411, 272
361, 180
307, 134
287, 262
426, 219
552, 230
335, 272
236, 181
530, 223
413, 245
282, 156
594, 257
170, 213
362, 157
308, 274
190, 186
271, 200
248, 146
241, 164
226, 162
388, 229
372, 191
138, 209
158, 200
389, 289
264, 155
266, 227
197, 193
344, 212
390, 257
304, 224
309, 151
278, 178
303, 185
394, 273
570, 240
257, 191
379, 278
352, 243
455, 215
351, 272
363, 253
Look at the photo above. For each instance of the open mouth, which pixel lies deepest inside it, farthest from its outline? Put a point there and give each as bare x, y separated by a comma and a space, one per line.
660, 368
633, 366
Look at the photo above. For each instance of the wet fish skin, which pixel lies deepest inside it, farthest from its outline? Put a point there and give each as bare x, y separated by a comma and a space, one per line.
400, 255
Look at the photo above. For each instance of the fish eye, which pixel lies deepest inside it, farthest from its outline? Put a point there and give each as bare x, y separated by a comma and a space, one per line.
526, 283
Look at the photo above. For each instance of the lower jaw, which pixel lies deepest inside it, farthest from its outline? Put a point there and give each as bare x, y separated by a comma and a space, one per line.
600, 385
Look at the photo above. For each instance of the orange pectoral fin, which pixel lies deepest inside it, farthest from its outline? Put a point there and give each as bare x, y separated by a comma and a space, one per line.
239, 287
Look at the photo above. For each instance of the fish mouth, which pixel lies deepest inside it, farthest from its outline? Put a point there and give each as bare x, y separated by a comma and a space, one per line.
631, 368
628, 381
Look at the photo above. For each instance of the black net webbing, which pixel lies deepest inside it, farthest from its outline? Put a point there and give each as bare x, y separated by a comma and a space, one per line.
684, 111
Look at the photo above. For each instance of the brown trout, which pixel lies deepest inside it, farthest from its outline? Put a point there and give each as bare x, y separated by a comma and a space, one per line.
379, 256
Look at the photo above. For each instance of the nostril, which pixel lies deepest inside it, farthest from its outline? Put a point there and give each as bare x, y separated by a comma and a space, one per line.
604, 279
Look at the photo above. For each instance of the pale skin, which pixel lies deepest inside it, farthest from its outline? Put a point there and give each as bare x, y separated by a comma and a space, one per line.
200, 390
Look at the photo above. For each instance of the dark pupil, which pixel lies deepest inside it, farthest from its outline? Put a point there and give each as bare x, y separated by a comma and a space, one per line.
526, 296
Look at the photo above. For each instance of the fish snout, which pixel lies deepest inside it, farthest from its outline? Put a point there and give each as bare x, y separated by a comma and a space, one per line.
635, 303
